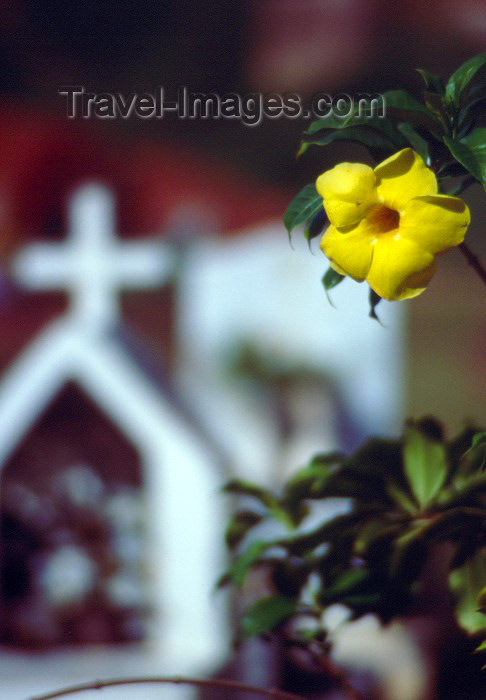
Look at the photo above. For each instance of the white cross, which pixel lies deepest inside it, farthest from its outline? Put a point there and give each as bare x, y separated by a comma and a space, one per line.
92, 265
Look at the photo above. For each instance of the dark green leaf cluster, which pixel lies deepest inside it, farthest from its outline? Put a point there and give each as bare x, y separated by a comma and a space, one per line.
405, 496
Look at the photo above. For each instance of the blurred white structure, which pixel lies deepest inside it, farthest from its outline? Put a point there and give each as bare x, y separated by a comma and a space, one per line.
257, 290
184, 512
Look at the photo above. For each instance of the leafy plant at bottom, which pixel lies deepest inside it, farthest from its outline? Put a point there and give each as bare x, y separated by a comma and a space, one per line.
405, 497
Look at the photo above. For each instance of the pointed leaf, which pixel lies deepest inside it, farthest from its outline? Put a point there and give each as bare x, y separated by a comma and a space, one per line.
462, 77
433, 83
239, 526
472, 108
372, 138
435, 103
374, 300
239, 568
265, 497
331, 279
465, 156
479, 439
332, 121
467, 584
351, 581
315, 225
241, 487
373, 132
302, 207
425, 465
409, 552
264, 615
311, 479
482, 599
476, 143
402, 499
473, 461
418, 144
402, 105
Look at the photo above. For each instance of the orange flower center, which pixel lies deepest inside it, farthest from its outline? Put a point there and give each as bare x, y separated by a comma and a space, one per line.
383, 218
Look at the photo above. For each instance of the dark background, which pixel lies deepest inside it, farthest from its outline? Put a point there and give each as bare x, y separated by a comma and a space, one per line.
217, 46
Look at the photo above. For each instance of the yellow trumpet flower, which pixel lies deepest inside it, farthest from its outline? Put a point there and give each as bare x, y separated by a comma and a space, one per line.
389, 223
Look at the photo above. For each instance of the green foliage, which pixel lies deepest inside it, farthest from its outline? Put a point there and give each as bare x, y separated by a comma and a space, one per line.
302, 208
264, 615
331, 279
468, 583
374, 300
425, 465
404, 496
461, 79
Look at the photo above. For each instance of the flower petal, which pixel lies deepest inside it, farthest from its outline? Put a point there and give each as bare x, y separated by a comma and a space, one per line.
350, 253
348, 190
436, 222
402, 177
400, 269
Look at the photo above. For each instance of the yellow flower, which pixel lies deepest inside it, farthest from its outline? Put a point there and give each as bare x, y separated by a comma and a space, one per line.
388, 224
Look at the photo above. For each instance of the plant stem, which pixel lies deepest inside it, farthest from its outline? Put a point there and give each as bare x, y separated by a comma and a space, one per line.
473, 260
215, 683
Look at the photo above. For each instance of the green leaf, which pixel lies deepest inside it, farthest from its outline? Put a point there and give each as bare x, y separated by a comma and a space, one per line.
465, 156
479, 439
404, 106
433, 83
473, 461
482, 599
329, 531
302, 207
374, 300
462, 77
247, 488
372, 138
468, 490
374, 132
436, 105
239, 526
467, 584
402, 499
425, 465
476, 143
351, 581
409, 552
315, 225
418, 144
305, 482
265, 614
239, 568
331, 121
368, 533
331, 279
266, 498
472, 109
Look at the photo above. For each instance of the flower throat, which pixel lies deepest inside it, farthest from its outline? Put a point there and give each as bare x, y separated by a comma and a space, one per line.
383, 218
